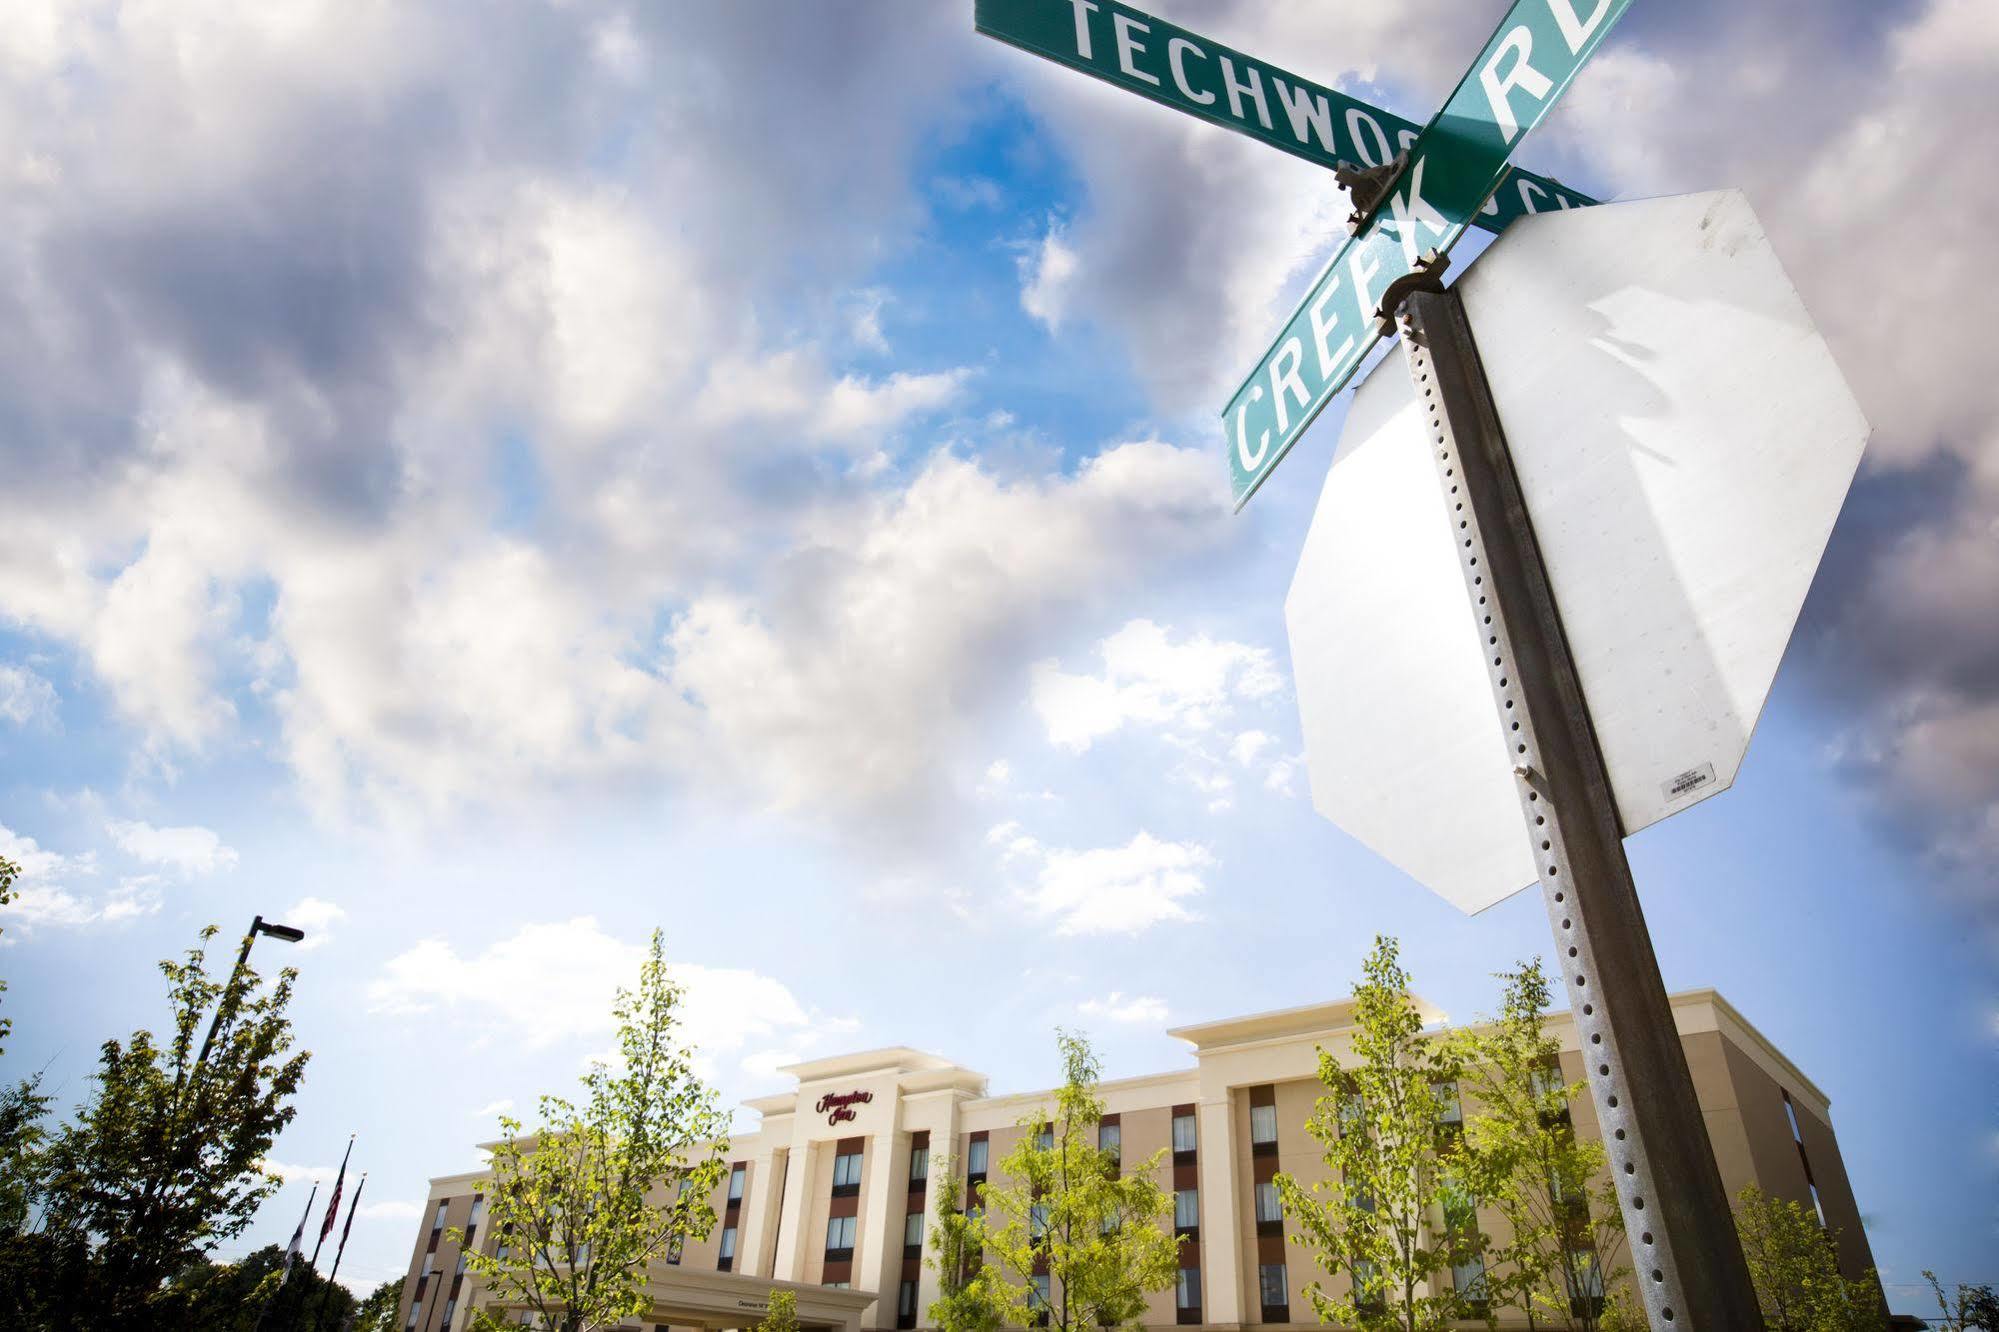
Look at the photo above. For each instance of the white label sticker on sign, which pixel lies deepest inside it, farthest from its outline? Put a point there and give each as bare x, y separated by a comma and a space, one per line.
1688, 782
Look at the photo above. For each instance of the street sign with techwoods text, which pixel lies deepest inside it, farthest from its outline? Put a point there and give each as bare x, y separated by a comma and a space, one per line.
1683, 441
1195, 74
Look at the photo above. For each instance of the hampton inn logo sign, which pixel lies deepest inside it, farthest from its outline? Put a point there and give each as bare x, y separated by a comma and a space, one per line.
838, 1107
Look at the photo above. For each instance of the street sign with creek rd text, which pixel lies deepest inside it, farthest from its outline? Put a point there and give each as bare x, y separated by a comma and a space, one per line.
1452, 170
1188, 72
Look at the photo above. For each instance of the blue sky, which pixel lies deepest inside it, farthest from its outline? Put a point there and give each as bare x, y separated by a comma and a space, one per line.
755, 473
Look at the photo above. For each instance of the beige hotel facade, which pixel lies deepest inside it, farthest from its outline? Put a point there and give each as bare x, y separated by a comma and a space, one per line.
833, 1192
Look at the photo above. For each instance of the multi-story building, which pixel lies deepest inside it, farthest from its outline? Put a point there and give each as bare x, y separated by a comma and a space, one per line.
834, 1191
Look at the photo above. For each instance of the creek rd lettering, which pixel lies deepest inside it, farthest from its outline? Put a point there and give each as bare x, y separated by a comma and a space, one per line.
1221, 85
1454, 168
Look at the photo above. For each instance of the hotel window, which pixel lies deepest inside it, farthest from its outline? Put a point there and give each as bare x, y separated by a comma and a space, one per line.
1450, 1106
429, 1261
450, 1307
1367, 1288
839, 1285
728, 1242
461, 1266
736, 1183
1187, 1295
416, 1311
1270, 1280
1585, 1284
919, 1163
1045, 1139
1268, 1206
905, 1304
847, 1173
437, 1222
975, 1157
912, 1234
1037, 1221
478, 1211
1183, 1135
1468, 1278
840, 1235
1353, 1113
1187, 1209
1263, 1125
1110, 1138
1037, 1298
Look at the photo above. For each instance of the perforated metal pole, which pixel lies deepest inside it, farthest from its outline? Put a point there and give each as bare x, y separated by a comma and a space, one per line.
1685, 1258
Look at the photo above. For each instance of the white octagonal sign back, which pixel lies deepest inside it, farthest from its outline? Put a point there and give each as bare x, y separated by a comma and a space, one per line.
1684, 442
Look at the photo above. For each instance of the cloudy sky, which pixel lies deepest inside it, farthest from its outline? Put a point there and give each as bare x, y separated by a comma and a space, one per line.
479, 481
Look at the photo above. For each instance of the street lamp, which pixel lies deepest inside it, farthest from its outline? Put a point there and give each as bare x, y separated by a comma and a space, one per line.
258, 925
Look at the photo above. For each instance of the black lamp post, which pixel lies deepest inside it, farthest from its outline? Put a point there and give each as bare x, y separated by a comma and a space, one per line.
258, 925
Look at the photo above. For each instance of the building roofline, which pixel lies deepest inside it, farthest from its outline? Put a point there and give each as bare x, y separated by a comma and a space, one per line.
1279, 1023
1749, 1029
887, 1059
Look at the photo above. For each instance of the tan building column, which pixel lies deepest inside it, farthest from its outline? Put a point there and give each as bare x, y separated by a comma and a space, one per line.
790, 1256
767, 1181
938, 1114
1221, 1228
879, 1262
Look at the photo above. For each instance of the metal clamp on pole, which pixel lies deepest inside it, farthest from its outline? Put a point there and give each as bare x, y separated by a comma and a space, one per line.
1428, 275
1686, 1260
1366, 187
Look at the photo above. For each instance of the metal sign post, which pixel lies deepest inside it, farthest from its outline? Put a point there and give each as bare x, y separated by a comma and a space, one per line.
1686, 1259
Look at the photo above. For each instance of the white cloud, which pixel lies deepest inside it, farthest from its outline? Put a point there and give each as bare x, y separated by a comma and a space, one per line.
1246, 746
317, 917
864, 322
189, 850
295, 1174
763, 1065
390, 1209
504, 1105
44, 895
1119, 1007
1048, 274
1111, 890
25, 696
845, 688
1150, 680
554, 983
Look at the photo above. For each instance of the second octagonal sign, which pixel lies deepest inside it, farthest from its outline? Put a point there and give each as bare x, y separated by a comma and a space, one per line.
1684, 441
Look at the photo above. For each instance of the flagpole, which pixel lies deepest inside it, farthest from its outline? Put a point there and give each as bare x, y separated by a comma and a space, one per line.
319, 1314
291, 1252
333, 1204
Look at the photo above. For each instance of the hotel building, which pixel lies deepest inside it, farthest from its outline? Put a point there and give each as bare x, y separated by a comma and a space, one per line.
834, 1191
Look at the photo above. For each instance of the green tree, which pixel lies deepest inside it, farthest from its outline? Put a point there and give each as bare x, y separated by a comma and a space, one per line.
782, 1313
1565, 1232
1391, 1215
957, 1244
162, 1161
1975, 1308
1794, 1264
582, 1206
1076, 1235
231, 1297
377, 1313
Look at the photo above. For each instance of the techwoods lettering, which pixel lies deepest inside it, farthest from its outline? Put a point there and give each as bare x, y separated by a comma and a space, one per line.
839, 1107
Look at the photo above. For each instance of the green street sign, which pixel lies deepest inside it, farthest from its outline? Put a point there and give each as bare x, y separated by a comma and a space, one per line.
1221, 85
1454, 167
